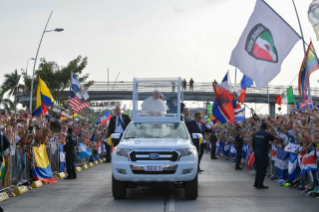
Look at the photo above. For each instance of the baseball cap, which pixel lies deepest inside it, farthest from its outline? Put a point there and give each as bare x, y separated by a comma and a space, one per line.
264, 125
70, 130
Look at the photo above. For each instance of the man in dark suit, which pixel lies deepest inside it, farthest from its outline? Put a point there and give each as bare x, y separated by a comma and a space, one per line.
118, 124
197, 126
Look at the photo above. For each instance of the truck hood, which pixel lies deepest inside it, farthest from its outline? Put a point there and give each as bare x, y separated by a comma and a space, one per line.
167, 143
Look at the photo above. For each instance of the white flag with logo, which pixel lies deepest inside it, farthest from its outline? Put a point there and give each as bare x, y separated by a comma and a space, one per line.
263, 46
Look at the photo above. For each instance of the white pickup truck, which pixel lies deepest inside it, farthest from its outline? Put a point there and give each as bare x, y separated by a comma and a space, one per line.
155, 150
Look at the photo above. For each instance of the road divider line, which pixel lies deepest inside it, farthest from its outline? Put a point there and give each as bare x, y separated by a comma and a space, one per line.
171, 203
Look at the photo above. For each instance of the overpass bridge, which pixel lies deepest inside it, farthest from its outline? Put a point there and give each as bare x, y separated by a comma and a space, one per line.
203, 91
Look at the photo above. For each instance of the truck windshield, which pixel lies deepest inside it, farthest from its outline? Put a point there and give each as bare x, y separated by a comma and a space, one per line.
156, 130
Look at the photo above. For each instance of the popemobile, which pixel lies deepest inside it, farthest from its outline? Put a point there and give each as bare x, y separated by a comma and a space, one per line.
156, 148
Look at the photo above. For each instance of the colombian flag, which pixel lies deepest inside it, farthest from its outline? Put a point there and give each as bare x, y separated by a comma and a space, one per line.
42, 170
44, 99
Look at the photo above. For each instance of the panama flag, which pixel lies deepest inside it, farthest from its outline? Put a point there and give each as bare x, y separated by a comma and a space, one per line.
244, 151
84, 151
224, 83
281, 163
263, 46
309, 161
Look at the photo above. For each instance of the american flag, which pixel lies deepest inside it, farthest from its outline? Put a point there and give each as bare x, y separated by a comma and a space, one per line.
75, 103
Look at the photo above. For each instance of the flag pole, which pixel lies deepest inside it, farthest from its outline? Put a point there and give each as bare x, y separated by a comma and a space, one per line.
268, 100
304, 47
234, 97
235, 80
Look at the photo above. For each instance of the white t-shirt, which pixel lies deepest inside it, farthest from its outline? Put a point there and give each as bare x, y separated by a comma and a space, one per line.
17, 140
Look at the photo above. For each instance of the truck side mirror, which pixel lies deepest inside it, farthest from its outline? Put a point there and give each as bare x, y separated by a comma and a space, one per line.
116, 137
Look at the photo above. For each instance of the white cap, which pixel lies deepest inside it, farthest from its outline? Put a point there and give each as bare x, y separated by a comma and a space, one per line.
156, 90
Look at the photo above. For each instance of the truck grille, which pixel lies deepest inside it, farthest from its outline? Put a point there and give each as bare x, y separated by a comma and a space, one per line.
154, 155
148, 172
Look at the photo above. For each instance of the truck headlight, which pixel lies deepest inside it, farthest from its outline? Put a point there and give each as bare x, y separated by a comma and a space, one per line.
123, 151
186, 151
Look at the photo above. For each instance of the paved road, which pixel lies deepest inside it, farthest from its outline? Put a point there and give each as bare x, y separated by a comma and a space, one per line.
221, 188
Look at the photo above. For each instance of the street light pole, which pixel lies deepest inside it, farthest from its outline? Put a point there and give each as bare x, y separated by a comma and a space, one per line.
36, 57
26, 69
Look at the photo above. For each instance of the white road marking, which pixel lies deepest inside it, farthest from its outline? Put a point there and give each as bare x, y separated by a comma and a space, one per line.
171, 203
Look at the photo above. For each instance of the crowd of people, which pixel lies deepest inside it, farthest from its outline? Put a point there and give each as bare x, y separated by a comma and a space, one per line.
23, 133
282, 148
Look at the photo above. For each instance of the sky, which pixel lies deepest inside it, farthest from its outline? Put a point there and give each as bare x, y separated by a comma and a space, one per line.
142, 38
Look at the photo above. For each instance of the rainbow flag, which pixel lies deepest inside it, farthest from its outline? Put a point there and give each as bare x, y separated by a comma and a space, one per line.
42, 169
308, 66
44, 99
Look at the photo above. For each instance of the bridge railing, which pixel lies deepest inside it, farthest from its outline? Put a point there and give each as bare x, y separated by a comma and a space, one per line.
198, 87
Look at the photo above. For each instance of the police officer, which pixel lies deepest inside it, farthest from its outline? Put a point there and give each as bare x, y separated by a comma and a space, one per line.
239, 142
260, 144
70, 143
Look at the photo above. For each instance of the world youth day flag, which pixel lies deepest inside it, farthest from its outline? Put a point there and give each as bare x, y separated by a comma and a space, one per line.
44, 99
42, 170
263, 46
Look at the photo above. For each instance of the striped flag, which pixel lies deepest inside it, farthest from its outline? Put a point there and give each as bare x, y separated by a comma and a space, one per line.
77, 95
75, 103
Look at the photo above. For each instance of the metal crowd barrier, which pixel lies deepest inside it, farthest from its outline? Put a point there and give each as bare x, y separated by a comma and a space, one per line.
19, 161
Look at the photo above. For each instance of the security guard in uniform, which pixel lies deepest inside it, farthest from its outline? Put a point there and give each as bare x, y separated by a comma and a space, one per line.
70, 143
239, 142
260, 144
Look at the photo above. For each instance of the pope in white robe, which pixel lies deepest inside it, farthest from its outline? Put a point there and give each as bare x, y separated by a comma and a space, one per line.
154, 105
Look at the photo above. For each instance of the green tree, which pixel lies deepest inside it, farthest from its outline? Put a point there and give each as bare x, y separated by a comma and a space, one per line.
11, 83
5, 102
58, 78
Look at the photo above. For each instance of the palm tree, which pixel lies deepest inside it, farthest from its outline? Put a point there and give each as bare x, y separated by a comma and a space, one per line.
5, 102
11, 82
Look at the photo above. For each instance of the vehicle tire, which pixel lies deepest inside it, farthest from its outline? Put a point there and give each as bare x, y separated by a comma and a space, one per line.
118, 189
191, 188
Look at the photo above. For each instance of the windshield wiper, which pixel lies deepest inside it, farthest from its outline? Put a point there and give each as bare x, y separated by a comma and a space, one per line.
130, 137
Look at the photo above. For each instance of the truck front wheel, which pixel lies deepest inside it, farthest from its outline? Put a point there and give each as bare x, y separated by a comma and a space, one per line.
118, 189
191, 189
